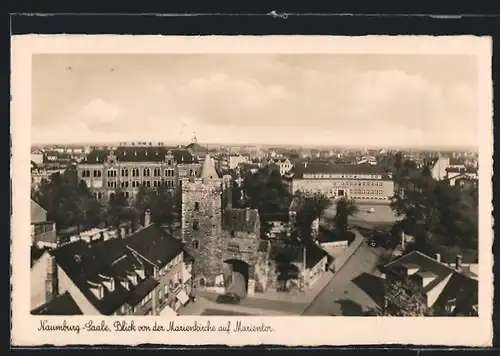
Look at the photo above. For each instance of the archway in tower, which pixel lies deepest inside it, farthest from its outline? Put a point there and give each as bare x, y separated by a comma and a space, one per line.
236, 277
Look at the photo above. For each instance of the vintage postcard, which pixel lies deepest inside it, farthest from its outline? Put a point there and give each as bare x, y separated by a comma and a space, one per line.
285, 190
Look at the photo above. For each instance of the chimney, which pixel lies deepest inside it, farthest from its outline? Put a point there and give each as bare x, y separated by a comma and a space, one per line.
147, 218
438, 257
458, 262
123, 231
247, 214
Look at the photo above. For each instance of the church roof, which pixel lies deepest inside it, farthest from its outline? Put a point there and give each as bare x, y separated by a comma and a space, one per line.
208, 169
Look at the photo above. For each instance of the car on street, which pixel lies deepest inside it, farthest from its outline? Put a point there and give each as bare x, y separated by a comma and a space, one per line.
228, 298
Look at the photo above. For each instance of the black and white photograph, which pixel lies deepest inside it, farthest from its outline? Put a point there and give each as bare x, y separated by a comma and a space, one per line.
268, 184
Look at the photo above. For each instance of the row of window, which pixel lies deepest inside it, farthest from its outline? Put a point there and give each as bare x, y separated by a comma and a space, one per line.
135, 172
137, 184
358, 183
369, 191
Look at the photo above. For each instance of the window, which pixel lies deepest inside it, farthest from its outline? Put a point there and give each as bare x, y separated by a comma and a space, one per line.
127, 195
124, 172
135, 172
196, 206
146, 172
196, 225
195, 244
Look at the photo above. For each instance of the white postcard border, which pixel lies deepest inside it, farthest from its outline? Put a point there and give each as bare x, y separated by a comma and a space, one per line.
289, 330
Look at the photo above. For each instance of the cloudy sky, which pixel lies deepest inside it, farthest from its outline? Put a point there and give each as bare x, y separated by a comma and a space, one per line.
382, 100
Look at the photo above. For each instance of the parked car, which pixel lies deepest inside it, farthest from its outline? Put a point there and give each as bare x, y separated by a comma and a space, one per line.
228, 298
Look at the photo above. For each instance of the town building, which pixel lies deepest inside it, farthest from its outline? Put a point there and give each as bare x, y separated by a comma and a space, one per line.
130, 167
448, 290
37, 156
284, 165
461, 176
362, 182
43, 232
235, 160
144, 273
224, 241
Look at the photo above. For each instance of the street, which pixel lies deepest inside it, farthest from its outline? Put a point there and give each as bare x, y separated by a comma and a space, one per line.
353, 289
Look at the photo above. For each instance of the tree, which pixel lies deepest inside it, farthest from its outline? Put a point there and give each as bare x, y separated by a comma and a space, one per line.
309, 208
67, 200
402, 298
266, 191
345, 208
119, 210
160, 202
285, 268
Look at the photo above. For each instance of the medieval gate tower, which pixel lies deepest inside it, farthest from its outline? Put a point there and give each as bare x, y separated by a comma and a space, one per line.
216, 234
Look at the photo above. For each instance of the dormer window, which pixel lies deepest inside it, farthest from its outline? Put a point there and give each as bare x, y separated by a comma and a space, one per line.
140, 272
133, 279
97, 289
126, 284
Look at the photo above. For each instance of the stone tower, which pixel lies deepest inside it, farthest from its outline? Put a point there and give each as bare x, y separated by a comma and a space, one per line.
201, 222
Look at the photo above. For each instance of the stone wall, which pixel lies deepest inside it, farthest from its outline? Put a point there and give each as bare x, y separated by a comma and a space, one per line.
201, 205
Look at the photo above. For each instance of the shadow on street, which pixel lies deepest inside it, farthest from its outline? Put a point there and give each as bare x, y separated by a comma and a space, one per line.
350, 308
372, 285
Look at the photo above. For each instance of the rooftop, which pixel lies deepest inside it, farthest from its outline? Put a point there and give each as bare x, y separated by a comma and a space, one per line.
120, 259
140, 154
333, 168
63, 304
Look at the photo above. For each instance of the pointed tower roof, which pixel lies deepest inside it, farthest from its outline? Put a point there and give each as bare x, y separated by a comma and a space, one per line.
208, 170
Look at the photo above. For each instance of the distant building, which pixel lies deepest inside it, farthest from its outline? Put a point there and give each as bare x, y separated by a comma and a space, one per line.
235, 160
37, 156
145, 273
284, 165
130, 167
449, 290
462, 176
362, 182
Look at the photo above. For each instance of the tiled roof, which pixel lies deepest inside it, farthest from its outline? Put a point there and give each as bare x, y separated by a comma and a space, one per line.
313, 253
459, 286
84, 263
332, 168
140, 154
37, 209
63, 304
461, 170
463, 289
155, 245
208, 169
236, 220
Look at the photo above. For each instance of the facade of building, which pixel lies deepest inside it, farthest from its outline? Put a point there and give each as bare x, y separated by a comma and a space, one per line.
284, 165
129, 167
461, 176
43, 232
362, 182
439, 167
145, 273
223, 241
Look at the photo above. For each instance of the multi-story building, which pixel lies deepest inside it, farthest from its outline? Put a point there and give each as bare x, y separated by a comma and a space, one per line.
362, 182
129, 167
144, 273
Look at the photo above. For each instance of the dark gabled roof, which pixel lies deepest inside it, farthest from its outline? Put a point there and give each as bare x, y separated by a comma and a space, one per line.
154, 244
236, 220
462, 288
314, 254
332, 168
117, 258
36, 253
140, 154
63, 304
